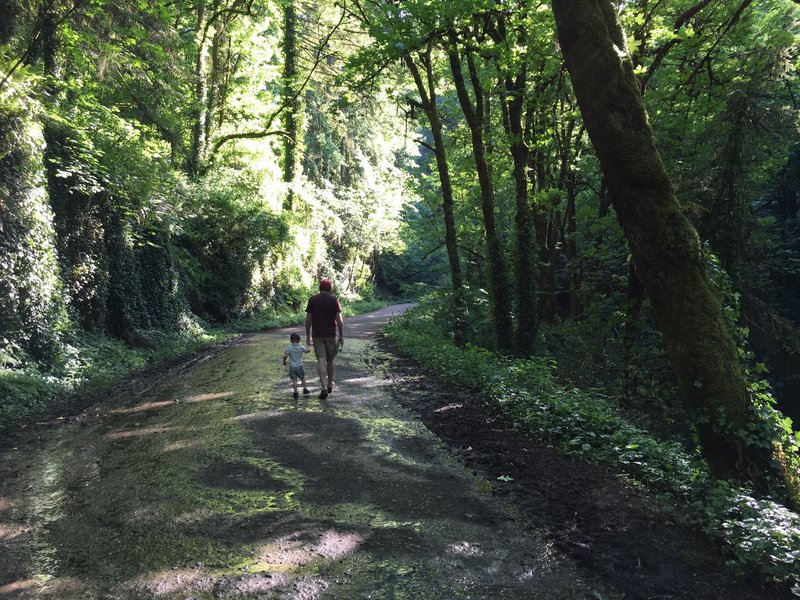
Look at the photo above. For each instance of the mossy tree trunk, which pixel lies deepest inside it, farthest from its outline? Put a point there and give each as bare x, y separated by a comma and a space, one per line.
664, 244
197, 154
31, 305
525, 331
546, 216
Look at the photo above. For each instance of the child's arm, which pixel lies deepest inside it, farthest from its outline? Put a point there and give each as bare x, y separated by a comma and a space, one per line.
306, 350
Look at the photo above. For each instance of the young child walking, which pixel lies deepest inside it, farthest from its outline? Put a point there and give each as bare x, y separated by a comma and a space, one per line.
294, 355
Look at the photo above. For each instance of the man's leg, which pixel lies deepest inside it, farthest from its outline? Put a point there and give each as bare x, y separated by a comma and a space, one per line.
331, 370
321, 369
319, 352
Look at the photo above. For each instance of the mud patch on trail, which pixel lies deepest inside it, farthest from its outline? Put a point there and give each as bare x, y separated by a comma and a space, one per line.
241, 475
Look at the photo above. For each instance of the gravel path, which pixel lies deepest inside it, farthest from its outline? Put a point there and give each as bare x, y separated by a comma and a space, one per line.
214, 483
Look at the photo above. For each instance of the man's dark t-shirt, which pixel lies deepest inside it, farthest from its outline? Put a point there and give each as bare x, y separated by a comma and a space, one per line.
323, 308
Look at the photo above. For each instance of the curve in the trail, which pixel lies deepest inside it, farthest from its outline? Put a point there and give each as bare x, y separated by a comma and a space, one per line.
216, 483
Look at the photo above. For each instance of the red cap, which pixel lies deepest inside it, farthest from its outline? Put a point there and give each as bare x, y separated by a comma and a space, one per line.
325, 285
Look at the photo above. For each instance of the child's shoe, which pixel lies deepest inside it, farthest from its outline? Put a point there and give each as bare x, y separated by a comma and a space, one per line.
306, 391
295, 395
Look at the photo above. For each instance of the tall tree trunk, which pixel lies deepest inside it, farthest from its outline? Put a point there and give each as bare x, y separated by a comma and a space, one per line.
569, 150
8, 20
547, 226
525, 332
214, 76
50, 50
291, 103
198, 150
543, 215
664, 244
427, 93
498, 282
729, 222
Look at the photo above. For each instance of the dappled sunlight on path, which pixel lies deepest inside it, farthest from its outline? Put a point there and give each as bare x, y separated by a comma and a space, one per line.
216, 483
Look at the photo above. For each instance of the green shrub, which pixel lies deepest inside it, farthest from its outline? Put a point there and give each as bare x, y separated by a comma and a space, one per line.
25, 394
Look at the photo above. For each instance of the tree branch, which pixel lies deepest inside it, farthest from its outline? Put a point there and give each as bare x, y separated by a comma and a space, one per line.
248, 135
266, 132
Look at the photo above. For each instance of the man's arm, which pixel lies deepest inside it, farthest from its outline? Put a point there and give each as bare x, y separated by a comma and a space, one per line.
340, 327
308, 328
285, 356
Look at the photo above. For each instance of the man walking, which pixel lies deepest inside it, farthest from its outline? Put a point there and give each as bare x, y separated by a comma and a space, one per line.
323, 319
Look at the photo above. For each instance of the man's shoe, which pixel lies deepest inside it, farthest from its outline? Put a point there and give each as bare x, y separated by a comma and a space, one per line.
306, 391
331, 386
295, 395
323, 394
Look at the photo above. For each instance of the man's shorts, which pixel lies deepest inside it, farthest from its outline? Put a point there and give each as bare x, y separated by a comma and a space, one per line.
296, 373
325, 348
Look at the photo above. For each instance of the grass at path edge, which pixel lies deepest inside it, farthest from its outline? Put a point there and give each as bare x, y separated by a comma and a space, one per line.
92, 362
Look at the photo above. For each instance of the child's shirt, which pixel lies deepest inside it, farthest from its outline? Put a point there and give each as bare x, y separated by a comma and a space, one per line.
295, 353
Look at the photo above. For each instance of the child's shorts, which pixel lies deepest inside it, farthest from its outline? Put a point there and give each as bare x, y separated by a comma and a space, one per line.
296, 373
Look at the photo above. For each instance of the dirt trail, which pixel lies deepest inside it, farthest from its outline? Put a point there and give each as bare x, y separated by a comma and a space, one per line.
215, 483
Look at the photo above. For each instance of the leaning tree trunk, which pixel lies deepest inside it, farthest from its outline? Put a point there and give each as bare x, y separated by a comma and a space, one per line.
664, 244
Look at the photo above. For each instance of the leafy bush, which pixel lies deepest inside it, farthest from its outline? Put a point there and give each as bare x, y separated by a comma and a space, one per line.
759, 533
88, 361
25, 394
229, 235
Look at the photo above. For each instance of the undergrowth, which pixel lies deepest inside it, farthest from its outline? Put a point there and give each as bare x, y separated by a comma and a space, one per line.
758, 533
90, 362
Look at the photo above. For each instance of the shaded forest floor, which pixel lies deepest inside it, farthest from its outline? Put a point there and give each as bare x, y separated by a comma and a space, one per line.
616, 533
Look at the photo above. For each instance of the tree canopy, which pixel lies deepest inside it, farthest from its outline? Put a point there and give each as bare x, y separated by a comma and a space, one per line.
615, 186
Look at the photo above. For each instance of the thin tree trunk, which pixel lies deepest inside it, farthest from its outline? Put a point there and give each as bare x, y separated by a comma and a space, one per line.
664, 244
498, 282
289, 91
198, 149
212, 97
571, 246
50, 46
427, 93
568, 151
542, 216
